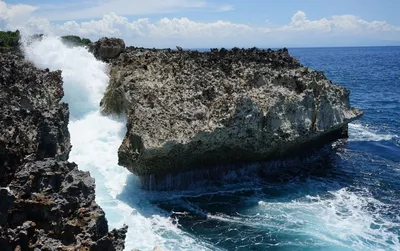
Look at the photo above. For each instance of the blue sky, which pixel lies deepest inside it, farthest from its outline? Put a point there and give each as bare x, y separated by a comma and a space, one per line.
279, 12
276, 11
214, 23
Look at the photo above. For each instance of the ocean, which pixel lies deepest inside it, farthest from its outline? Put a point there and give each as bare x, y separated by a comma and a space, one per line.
344, 197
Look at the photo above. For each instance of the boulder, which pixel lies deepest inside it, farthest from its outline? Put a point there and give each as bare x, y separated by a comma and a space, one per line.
107, 48
192, 110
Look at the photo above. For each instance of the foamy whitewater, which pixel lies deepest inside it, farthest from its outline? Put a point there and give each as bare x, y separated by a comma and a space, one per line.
315, 212
360, 132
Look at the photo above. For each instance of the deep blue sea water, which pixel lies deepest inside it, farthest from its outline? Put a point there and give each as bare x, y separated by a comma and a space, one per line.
347, 197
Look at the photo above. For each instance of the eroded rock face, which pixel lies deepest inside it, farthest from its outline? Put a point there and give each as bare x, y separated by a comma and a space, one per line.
107, 48
192, 110
32, 122
46, 203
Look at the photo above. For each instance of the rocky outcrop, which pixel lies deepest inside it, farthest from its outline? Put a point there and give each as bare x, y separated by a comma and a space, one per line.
46, 203
33, 123
107, 48
192, 110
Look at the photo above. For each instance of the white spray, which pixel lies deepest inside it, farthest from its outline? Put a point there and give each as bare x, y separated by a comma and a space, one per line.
359, 132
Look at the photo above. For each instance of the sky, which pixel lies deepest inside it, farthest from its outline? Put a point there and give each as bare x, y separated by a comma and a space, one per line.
206, 23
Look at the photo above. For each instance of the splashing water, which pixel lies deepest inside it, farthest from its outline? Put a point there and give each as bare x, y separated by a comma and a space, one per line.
343, 218
95, 141
358, 132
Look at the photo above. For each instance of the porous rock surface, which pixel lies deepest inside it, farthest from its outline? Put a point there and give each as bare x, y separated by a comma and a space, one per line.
192, 109
46, 203
107, 48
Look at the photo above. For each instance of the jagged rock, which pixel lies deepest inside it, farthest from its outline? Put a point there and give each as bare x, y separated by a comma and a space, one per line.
113, 241
194, 110
32, 122
107, 48
46, 203
59, 199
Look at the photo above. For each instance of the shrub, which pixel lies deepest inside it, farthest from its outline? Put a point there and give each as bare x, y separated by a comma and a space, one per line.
75, 40
9, 39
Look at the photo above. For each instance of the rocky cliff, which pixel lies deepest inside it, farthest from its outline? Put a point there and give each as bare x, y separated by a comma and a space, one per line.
188, 110
46, 203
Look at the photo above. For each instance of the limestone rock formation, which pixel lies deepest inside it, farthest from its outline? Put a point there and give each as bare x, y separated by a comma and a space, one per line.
107, 48
46, 203
192, 109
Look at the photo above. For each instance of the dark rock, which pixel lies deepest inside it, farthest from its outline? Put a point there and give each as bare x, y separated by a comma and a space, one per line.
32, 122
6, 200
107, 48
113, 241
46, 203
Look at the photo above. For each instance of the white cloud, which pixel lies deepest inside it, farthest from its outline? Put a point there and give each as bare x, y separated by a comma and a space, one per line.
337, 30
338, 24
17, 14
300, 22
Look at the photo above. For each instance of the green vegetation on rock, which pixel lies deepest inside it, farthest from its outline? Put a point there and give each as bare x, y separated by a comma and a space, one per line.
75, 40
114, 101
9, 39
